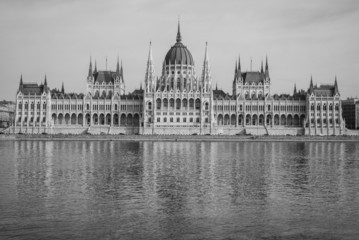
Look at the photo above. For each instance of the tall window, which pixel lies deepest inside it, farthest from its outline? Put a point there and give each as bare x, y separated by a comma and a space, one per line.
178, 103
172, 103
191, 103
198, 104
158, 103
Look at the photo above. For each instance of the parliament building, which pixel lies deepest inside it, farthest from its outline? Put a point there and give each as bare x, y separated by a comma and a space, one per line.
178, 102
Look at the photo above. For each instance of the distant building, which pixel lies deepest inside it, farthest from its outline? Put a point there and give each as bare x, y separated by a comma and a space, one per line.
351, 113
7, 109
179, 102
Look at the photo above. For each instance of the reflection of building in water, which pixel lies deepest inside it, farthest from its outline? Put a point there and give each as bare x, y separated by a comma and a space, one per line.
179, 102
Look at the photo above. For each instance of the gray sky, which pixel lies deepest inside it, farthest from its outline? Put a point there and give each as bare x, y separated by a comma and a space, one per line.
301, 38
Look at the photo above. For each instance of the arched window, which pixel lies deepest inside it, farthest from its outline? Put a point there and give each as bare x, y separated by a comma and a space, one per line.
178, 103
191, 103
158, 103
184, 103
324, 107
198, 104
268, 107
165, 103
172, 103
336, 107
312, 107
206, 106
260, 95
149, 106
318, 107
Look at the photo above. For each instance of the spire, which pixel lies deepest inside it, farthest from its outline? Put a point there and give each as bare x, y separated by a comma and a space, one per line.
45, 82
206, 74
121, 71
295, 89
266, 68
311, 84
149, 76
90, 68
63, 88
206, 58
178, 38
95, 70
239, 63
216, 86
141, 86
262, 67
336, 90
118, 67
21, 83
235, 71
150, 53
239, 72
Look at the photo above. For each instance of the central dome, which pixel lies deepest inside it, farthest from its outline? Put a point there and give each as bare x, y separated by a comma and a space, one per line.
179, 54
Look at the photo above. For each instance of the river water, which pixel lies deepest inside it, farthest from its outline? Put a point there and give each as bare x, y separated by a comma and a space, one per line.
178, 190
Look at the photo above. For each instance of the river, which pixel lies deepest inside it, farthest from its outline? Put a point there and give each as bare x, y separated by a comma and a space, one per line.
178, 190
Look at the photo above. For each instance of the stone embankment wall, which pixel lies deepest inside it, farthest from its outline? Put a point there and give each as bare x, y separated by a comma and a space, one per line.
222, 130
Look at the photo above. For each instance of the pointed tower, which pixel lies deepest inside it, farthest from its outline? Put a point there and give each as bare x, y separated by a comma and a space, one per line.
235, 79
266, 73
89, 76
179, 37
118, 68
206, 73
21, 85
235, 72
62, 88
336, 90
311, 85
295, 89
122, 81
150, 82
237, 83
239, 71
95, 70
44, 86
121, 73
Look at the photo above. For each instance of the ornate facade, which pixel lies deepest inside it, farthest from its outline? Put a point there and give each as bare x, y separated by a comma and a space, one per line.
178, 102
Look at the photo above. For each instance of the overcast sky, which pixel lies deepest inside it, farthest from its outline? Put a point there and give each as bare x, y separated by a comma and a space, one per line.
300, 38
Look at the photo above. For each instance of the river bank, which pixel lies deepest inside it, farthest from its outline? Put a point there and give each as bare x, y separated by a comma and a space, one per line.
179, 138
